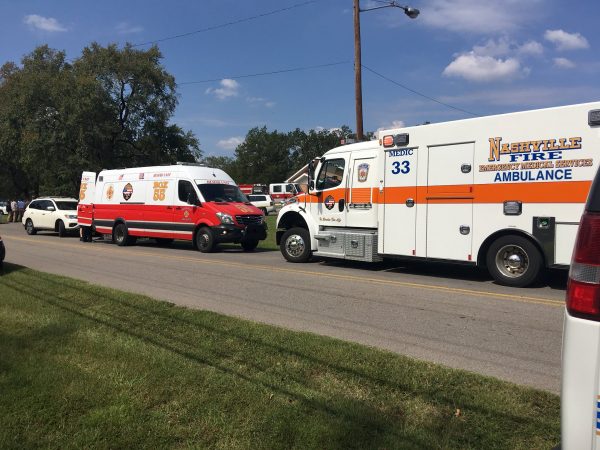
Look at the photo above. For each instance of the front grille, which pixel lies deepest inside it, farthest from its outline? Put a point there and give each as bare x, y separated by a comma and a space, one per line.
248, 220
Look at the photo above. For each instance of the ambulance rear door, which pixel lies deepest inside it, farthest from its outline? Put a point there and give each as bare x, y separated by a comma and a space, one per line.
87, 191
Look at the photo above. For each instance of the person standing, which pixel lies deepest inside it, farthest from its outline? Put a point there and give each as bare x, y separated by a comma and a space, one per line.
21, 209
14, 212
9, 210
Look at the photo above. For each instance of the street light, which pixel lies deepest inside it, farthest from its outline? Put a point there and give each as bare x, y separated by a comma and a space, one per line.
410, 12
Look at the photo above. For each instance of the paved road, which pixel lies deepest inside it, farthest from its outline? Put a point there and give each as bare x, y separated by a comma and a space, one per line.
442, 313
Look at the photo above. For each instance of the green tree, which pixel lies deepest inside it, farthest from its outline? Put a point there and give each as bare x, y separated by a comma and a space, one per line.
110, 108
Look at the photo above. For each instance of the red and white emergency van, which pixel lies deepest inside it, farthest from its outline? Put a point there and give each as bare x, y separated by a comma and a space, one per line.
183, 201
250, 189
505, 192
282, 191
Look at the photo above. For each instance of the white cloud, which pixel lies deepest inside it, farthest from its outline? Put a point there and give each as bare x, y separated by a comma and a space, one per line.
532, 48
127, 28
230, 143
43, 23
473, 67
392, 124
493, 47
564, 63
566, 41
229, 88
476, 16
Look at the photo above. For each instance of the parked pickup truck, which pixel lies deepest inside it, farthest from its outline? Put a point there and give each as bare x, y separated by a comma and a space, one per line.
262, 202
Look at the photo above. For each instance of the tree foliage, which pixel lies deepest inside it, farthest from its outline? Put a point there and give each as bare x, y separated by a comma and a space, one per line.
109, 108
272, 156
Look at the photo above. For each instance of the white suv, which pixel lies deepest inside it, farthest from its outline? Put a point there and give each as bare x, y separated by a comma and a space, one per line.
262, 202
580, 392
51, 214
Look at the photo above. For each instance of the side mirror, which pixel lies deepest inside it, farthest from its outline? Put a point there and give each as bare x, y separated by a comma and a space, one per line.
311, 186
50, 208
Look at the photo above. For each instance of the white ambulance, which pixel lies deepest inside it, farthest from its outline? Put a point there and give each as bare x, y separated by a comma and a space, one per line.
505, 192
183, 201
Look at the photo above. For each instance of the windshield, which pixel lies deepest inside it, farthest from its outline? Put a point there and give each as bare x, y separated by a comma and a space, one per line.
222, 193
67, 206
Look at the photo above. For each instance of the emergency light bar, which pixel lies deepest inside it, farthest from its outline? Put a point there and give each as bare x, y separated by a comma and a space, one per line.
399, 140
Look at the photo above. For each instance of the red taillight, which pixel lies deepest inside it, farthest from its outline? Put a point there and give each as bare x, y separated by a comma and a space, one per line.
587, 248
583, 291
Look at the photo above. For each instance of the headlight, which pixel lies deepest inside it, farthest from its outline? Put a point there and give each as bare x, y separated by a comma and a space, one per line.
71, 216
225, 219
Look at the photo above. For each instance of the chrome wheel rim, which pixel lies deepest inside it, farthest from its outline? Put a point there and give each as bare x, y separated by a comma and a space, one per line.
119, 234
204, 239
294, 245
512, 261
29, 225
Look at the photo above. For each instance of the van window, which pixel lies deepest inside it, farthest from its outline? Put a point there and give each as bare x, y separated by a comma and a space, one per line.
277, 188
186, 189
331, 174
257, 198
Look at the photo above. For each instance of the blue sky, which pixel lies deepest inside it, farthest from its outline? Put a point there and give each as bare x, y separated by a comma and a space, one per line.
482, 56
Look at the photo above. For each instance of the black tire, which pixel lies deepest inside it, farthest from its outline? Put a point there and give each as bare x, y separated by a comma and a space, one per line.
205, 240
164, 241
295, 245
249, 246
62, 231
29, 228
264, 210
120, 236
514, 261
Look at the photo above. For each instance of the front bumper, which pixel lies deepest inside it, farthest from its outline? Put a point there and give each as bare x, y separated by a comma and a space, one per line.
232, 233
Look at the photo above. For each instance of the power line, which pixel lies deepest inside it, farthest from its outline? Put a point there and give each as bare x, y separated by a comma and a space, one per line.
226, 24
418, 93
273, 72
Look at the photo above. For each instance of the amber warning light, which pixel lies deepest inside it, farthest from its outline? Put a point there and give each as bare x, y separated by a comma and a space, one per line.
388, 141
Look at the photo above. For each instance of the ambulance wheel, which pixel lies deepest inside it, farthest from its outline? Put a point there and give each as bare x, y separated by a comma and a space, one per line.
62, 231
295, 245
29, 228
249, 246
514, 261
121, 236
205, 240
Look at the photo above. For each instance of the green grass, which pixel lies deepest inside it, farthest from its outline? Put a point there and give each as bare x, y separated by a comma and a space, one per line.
269, 243
83, 366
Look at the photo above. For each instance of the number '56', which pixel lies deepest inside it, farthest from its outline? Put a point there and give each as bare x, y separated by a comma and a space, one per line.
401, 167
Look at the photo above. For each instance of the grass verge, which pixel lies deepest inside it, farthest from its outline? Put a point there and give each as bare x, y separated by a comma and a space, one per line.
269, 243
83, 366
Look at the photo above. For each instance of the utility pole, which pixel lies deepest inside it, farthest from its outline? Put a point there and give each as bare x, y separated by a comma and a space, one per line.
410, 12
358, 73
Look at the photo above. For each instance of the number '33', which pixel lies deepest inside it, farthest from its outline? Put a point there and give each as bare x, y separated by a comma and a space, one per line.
401, 167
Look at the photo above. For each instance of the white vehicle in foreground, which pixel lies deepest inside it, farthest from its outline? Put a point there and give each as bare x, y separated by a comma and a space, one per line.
504, 192
57, 214
263, 202
580, 396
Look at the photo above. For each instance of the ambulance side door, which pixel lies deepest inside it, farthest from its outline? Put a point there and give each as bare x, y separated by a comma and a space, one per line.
400, 202
185, 209
361, 207
158, 214
331, 186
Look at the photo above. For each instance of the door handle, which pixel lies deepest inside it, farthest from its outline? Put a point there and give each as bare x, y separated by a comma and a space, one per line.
169, 207
178, 207
410, 202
